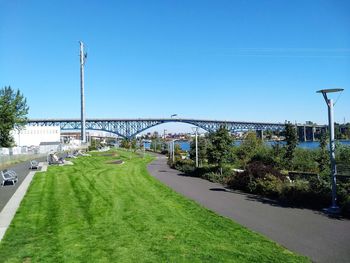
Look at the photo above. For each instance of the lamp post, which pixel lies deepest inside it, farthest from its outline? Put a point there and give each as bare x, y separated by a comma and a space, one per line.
173, 149
334, 209
195, 130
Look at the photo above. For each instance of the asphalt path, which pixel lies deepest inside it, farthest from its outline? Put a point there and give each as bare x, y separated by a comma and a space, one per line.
22, 170
307, 232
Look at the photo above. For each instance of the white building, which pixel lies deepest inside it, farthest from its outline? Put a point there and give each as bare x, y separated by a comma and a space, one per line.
34, 135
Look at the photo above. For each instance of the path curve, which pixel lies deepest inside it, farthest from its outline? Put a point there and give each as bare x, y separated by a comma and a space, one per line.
304, 231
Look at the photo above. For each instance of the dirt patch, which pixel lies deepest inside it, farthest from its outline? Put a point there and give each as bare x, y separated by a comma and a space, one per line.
116, 162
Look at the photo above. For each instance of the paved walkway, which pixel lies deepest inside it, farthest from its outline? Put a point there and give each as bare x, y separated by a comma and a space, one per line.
304, 231
22, 170
12, 195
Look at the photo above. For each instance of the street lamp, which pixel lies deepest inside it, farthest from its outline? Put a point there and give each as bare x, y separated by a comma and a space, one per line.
173, 149
334, 209
195, 130
164, 134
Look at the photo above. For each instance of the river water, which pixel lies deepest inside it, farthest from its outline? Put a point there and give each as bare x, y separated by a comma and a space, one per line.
185, 145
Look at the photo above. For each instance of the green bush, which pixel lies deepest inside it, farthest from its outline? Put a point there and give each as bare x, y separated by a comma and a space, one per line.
258, 169
270, 186
257, 178
305, 160
296, 192
343, 192
217, 177
185, 166
345, 207
240, 181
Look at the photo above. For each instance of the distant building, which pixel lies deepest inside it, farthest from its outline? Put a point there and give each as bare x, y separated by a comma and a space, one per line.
46, 147
34, 135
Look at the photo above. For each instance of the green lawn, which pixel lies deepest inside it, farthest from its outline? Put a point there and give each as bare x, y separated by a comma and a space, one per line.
98, 212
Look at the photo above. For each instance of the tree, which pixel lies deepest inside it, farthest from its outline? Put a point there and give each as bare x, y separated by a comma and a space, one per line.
133, 144
278, 153
125, 143
248, 148
291, 144
156, 145
219, 151
202, 149
13, 114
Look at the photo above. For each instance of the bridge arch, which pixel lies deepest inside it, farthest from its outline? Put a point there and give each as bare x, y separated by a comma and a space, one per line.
129, 128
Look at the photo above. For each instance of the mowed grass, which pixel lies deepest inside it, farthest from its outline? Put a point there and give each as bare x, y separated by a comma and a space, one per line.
99, 212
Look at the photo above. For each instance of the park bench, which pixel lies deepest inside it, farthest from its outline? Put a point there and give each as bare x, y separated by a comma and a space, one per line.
8, 176
52, 158
34, 164
301, 175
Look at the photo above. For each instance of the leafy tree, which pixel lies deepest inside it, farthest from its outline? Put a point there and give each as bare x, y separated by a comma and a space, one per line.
278, 152
13, 112
219, 151
305, 160
248, 148
133, 144
177, 152
202, 149
95, 144
125, 143
156, 145
292, 142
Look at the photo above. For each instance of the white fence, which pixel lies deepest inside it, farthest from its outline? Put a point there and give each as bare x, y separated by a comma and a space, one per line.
9, 156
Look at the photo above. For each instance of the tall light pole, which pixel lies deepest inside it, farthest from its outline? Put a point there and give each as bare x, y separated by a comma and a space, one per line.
173, 150
195, 129
334, 208
82, 96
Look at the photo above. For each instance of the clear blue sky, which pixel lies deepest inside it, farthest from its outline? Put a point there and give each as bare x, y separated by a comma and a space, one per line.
233, 60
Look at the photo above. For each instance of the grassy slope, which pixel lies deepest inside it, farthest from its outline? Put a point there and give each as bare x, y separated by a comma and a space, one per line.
98, 212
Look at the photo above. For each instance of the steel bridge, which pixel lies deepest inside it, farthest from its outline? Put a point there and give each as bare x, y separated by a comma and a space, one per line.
129, 128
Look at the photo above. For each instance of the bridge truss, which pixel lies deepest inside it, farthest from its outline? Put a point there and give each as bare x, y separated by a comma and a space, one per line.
129, 128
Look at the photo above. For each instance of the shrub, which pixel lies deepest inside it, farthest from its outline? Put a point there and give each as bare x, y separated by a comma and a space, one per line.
305, 160
257, 178
186, 168
296, 193
264, 155
182, 165
239, 181
343, 192
345, 207
217, 177
270, 186
258, 169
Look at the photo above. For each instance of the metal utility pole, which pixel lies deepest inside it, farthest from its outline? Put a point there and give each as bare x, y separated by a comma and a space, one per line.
334, 209
173, 151
82, 96
195, 129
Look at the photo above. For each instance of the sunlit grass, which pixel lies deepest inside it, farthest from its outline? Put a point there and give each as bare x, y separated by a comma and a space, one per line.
99, 212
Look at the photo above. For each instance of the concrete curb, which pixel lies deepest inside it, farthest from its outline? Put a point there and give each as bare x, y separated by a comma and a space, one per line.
9, 211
